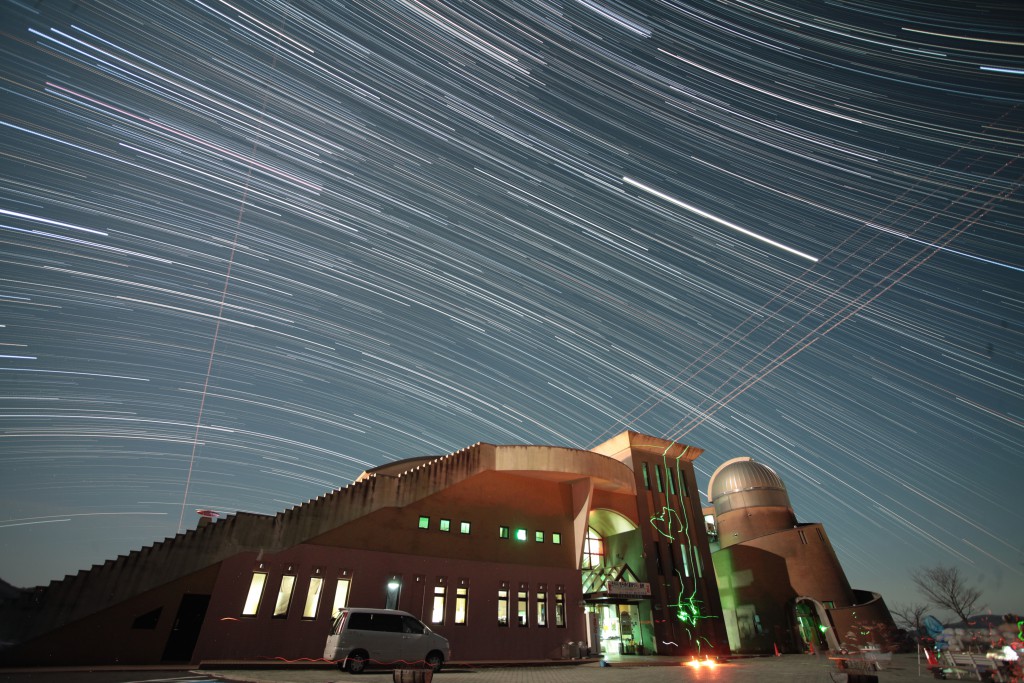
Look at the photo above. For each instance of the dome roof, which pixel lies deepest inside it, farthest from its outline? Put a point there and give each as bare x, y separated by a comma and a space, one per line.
743, 474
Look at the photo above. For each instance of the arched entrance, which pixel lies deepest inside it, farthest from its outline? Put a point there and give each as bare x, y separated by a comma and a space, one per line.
813, 627
618, 602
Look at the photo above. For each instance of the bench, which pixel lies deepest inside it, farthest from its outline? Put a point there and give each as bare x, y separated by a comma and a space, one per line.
972, 663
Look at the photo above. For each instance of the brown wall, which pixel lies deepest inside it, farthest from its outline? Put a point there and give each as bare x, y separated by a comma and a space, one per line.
107, 637
486, 500
227, 635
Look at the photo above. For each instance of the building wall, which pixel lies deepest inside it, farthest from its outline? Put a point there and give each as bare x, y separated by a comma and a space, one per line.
228, 635
108, 637
685, 604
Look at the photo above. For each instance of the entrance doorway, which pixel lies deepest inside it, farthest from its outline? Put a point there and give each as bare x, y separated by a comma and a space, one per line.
618, 628
185, 632
812, 625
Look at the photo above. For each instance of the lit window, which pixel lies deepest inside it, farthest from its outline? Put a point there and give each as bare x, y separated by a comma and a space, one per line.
502, 532
340, 597
647, 477
284, 596
437, 614
520, 534
671, 480
424, 522
560, 610
522, 608
252, 600
593, 549
461, 605
316, 585
556, 538
464, 527
446, 525
542, 608
502, 607
657, 477
538, 536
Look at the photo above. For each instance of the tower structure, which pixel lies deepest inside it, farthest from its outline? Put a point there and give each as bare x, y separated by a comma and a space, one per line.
780, 581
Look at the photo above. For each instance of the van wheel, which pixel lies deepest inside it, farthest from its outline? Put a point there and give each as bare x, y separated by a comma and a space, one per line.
355, 663
435, 660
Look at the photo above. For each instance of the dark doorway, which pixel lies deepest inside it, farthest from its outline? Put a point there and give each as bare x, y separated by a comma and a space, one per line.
185, 632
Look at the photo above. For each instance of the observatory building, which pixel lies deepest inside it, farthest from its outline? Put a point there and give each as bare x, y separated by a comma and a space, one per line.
780, 582
510, 552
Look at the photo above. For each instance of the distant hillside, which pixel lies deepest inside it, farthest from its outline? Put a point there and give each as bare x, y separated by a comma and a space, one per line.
7, 591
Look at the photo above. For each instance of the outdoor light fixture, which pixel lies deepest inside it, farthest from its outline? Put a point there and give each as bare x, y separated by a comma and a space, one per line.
393, 585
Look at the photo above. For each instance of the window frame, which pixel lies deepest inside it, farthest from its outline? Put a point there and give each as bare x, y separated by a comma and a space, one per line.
249, 603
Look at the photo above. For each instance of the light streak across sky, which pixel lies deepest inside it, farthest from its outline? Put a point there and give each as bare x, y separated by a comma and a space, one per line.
260, 247
716, 219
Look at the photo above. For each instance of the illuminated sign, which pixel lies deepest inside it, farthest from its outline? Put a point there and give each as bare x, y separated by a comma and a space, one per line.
629, 589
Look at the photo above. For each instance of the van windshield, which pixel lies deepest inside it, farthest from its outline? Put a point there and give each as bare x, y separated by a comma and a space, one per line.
339, 622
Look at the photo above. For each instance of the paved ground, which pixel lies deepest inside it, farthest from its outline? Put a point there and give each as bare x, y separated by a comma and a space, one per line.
785, 669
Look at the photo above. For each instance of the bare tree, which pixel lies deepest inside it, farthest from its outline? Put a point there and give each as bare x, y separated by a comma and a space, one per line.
945, 587
910, 617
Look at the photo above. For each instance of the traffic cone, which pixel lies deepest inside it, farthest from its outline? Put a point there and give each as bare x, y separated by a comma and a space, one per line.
776, 646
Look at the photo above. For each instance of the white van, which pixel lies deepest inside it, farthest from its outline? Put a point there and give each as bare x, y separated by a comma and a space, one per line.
362, 637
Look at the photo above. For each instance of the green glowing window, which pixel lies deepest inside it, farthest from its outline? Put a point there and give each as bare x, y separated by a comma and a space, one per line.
463, 527
657, 477
556, 538
520, 534
538, 536
647, 477
671, 480
502, 532
446, 525
424, 522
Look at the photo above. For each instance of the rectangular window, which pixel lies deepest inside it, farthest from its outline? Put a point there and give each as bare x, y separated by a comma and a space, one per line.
284, 596
424, 522
503, 607
445, 525
502, 532
340, 597
803, 537
520, 534
830, 604
556, 538
538, 536
671, 480
437, 613
522, 608
560, 610
316, 585
682, 484
461, 605
252, 600
542, 608
821, 536
463, 527
647, 477
657, 477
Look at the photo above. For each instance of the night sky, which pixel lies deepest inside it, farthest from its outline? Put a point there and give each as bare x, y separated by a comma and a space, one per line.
250, 249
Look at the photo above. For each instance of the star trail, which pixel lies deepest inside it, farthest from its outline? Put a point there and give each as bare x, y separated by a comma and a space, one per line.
251, 249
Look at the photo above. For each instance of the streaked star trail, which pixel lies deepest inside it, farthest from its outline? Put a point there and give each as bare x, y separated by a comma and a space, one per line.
250, 249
